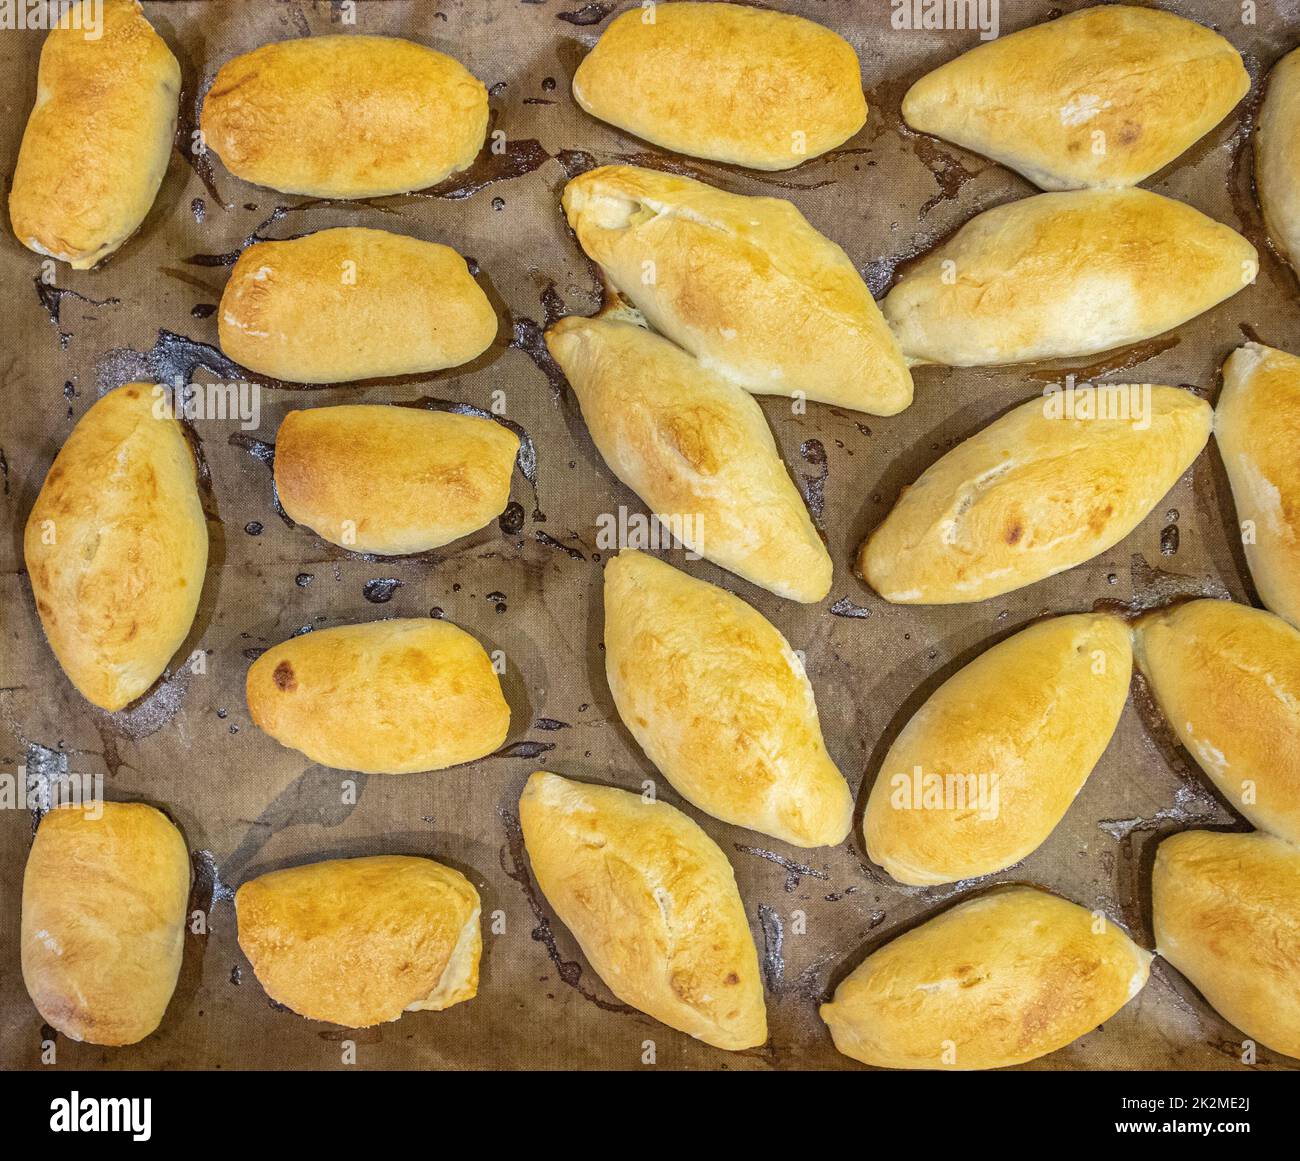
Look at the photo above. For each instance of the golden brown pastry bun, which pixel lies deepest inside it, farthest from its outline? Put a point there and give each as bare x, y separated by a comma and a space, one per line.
744, 284
1061, 275
1257, 426
652, 902
720, 703
116, 546
1226, 909
1277, 156
360, 941
725, 82
388, 697
392, 480
1103, 97
986, 768
345, 116
1227, 678
1003, 978
99, 136
1036, 492
352, 303
696, 449
104, 900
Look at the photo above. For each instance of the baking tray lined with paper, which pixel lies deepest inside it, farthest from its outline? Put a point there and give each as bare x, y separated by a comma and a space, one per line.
529, 584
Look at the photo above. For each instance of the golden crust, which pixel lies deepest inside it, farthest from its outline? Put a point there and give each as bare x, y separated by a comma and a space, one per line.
1060, 275
1227, 678
358, 942
352, 303
1277, 156
1103, 97
720, 703
116, 546
103, 927
387, 697
1021, 727
1000, 979
725, 82
345, 116
690, 444
1257, 426
722, 275
392, 480
652, 902
98, 139
1226, 910
1031, 495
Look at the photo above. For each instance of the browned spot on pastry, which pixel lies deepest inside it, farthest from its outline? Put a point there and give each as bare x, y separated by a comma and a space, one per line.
1097, 521
1129, 132
732, 978
1014, 533
283, 677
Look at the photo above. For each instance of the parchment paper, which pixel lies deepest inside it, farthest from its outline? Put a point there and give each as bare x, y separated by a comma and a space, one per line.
530, 586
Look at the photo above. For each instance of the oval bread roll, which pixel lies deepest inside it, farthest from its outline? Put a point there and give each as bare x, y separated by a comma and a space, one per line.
1257, 426
1226, 910
392, 480
360, 941
103, 929
388, 697
99, 136
652, 902
1101, 97
696, 449
1039, 490
1061, 275
1227, 678
720, 703
1277, 156
116, 546
351, 303
986, 768
725, 82
345, 116
1003, 978
727, 277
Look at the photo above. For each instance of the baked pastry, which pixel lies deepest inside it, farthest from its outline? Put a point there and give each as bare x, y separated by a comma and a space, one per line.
652, 902
1052, 483
352, 303
696, 449
1102, 97
725, 82
392, 480
744, 284
720, 703
99, 136
1227, 678
1226, 910
117, 544
103, 929
1000, 979
1257, 426
387, 697
986, 768
345, 116
1277, 156
360, 941
1061, 275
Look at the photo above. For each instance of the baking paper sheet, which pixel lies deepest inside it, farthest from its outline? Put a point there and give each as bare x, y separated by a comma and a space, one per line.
530, 585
